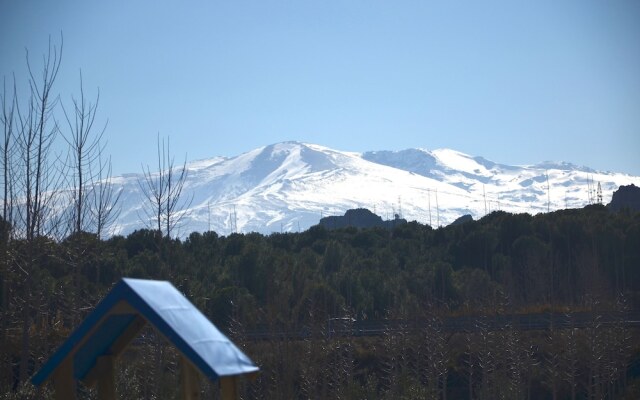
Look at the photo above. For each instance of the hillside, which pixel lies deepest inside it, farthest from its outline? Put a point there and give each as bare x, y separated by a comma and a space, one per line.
553, 291
290, 186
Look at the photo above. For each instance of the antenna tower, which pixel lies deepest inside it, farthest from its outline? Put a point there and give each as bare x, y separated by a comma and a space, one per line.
429, 199
234, 220
599, 194
548, 194
484, 196
438, 208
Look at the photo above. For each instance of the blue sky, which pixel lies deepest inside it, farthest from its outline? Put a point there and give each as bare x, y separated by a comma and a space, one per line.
516, 82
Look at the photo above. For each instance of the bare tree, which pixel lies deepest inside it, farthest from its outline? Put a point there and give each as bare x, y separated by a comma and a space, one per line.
39, 177
175, 179
7, 118
104, 197
85, 147
154, 190
33, 200
163, 191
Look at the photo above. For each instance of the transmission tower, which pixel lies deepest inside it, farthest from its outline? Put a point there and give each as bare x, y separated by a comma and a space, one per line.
438, 208
429, 199
589, 189
548, 194
484, 196
233, 220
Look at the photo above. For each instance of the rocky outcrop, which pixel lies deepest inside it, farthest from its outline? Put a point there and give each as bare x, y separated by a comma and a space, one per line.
626, 197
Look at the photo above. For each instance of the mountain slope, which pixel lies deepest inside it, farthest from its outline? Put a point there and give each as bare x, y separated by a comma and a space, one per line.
289, 186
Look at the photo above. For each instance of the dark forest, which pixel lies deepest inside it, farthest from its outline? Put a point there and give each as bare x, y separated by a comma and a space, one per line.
445, 307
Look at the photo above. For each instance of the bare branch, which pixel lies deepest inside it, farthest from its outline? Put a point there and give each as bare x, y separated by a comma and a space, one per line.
85, 149
164, 191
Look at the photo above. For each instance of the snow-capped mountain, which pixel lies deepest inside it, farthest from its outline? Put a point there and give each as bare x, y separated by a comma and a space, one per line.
289, 186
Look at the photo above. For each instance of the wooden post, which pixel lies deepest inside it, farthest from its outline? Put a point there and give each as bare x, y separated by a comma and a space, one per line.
190, 381
228, 388
63, 382
106, 380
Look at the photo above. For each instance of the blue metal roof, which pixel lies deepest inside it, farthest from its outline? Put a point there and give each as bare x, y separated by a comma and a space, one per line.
164, 307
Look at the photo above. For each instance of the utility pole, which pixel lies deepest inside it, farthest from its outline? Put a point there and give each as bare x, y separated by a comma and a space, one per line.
235, 220
429, 194
438, 208
484, 196
548, 194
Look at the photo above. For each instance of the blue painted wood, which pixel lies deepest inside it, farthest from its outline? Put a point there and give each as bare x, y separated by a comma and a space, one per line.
164, 307
99, 343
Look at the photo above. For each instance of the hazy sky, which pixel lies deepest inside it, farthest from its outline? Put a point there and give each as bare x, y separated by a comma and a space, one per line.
517, 82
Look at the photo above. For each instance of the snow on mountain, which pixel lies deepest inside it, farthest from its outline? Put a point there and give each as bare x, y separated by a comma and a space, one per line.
289, 186
530, 188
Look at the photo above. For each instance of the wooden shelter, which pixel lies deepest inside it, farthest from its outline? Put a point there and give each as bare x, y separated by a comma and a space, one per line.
88, 355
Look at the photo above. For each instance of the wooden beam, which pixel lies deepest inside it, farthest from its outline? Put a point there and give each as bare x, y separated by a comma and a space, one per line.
190, 380
116, 349
106, 379
127, 336
228, 388
122, 307
63, 382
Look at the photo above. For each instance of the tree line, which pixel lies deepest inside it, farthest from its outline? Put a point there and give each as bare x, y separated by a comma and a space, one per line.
57, 261
570, 260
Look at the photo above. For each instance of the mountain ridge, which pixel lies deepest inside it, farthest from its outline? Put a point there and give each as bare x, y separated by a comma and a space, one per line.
290, 186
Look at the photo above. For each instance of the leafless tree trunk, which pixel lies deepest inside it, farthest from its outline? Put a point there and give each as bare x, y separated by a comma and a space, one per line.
7, 118
105, 200
85, 148
154, 189
39, 177
175, 178
37, 180
163, 190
